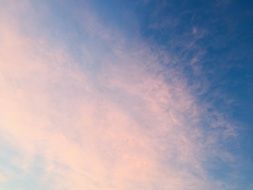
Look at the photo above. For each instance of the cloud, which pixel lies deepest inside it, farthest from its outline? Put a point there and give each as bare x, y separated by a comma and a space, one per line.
113, 118
3, 177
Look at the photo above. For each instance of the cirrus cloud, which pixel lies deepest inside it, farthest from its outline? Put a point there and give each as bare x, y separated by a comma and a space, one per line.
112, 117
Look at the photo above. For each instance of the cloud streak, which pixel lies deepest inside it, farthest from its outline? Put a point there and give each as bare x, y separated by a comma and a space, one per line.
112, 117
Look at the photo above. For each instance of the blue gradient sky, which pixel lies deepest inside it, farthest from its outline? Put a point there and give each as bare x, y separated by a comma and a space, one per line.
126, 95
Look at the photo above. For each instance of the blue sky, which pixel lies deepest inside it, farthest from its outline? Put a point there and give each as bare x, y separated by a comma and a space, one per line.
219, 34
95, 92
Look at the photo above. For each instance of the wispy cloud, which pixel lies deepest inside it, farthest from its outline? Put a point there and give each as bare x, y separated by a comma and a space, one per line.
113, 118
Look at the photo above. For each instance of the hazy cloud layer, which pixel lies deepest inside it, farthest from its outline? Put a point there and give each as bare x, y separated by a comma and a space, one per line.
108, 116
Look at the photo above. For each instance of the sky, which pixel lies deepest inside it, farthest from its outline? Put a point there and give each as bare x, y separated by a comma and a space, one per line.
126, 95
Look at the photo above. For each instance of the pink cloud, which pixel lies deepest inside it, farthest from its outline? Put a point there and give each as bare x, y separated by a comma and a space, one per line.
121, 126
